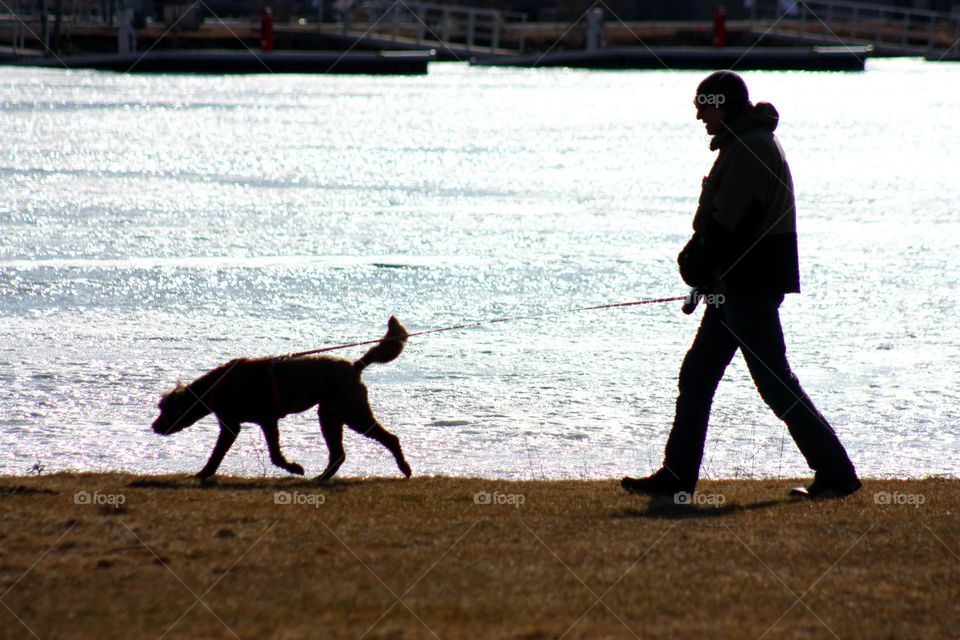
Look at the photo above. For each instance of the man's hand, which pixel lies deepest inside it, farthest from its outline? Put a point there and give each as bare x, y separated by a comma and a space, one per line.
693, 264
693, 299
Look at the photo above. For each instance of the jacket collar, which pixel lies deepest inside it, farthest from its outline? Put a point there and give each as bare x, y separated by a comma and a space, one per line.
763, 116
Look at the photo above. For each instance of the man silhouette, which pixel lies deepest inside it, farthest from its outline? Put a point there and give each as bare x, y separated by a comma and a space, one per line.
744, 252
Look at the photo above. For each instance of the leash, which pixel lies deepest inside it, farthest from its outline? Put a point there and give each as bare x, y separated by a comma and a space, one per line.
481, 323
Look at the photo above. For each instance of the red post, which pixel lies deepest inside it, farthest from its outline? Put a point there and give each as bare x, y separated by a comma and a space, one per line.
720, 27
266, 30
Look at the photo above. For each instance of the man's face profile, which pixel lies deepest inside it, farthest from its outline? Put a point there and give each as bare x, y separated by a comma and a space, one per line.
711, 116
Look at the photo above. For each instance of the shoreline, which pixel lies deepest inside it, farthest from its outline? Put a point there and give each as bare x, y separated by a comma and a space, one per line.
124, 555
308, 479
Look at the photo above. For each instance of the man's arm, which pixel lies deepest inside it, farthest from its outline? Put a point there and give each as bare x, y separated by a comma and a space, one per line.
742, 189
736, 207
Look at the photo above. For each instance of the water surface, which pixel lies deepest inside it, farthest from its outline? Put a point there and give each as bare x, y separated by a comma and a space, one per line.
153, 227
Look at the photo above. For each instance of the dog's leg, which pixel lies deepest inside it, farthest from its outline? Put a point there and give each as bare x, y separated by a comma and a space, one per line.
365, 424
271, 431
228, 435
331, 425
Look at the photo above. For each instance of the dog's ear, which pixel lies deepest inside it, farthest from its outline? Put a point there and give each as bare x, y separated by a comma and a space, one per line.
177, 389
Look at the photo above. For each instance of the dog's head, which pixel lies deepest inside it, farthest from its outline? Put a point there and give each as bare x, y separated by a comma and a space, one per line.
179, 409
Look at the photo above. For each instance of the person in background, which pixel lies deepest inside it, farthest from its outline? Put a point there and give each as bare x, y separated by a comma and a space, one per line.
743, 258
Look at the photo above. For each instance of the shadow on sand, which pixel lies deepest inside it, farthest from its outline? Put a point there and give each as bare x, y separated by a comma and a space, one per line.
273, 484
23, 490
668, 510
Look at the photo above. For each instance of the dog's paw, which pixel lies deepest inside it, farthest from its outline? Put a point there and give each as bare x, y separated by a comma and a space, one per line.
404, 468
293, 467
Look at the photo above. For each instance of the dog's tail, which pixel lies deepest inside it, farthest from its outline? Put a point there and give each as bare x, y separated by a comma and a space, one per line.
387, 349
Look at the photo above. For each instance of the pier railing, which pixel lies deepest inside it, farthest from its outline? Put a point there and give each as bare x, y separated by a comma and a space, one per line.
889, 29
391, 24
427, 24
25, 22
19, 19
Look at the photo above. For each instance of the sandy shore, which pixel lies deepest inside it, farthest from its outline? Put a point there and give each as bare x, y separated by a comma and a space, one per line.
121, 556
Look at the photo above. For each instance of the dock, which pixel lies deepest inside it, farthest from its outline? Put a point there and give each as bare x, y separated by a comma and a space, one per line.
705, 58
948, 56
816, 35
211, 61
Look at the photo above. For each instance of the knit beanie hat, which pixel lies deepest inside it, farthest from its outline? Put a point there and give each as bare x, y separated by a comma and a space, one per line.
725, 90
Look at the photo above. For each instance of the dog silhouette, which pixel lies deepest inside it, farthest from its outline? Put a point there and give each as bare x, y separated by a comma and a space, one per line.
264, 390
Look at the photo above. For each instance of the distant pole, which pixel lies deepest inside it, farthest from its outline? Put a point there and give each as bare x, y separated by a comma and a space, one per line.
44, 24
266, 30
57, 17
720, 27
594, 29
126, 35
347, 16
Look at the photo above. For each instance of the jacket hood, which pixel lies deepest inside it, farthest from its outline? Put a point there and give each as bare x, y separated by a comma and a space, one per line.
762, 116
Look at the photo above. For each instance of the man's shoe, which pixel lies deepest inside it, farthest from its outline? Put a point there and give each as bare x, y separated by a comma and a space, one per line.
663, 482
821, 489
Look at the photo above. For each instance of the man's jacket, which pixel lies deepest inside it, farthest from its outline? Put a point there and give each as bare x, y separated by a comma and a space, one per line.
745, 229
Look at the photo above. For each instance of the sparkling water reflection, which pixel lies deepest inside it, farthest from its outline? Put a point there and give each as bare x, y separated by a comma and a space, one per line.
154, 227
